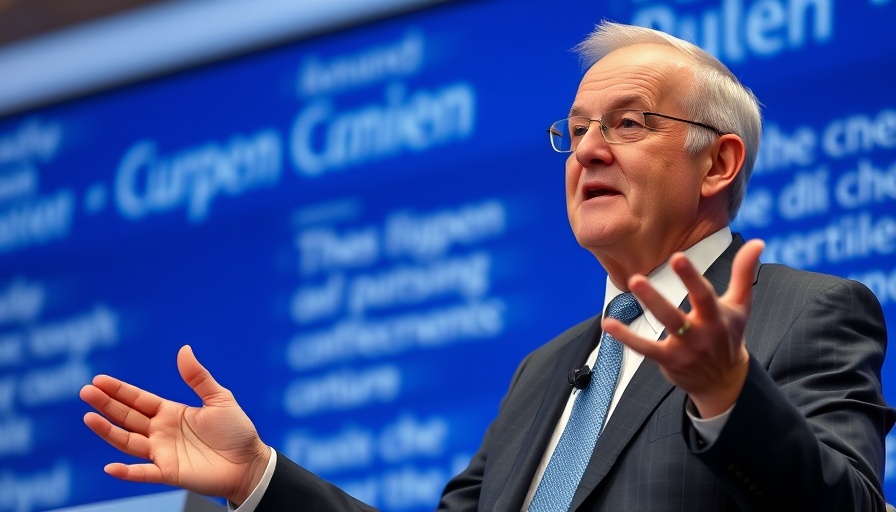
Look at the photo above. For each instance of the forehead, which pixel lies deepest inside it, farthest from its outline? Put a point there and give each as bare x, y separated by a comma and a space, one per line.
646, 76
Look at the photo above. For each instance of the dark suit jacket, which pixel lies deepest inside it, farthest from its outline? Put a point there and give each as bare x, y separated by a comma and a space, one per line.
807, 432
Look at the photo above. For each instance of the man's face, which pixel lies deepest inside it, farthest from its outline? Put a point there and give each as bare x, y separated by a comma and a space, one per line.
641, 196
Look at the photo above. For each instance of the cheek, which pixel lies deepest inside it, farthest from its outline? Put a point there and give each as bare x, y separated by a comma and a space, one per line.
668, 192
573, 173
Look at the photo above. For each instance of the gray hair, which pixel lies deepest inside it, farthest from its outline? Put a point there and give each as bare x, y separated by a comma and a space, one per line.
718, 98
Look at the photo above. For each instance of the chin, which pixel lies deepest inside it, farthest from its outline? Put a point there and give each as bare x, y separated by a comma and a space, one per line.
591, 238
596, 235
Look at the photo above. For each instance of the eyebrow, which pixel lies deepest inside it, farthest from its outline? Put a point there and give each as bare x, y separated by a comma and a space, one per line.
629, 101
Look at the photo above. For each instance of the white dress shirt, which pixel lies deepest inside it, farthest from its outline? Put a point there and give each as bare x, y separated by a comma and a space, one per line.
667, 283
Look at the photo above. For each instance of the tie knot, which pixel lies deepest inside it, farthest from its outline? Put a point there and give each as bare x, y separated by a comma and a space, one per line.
624, 307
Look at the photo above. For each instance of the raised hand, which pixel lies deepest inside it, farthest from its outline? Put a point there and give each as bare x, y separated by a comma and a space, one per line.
704, 354
212, 450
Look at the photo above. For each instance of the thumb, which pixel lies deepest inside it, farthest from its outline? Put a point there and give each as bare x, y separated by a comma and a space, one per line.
199, 379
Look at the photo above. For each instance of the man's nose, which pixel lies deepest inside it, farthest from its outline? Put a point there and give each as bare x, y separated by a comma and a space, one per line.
593, 148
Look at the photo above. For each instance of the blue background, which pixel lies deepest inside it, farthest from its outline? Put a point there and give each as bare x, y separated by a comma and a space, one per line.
129, 290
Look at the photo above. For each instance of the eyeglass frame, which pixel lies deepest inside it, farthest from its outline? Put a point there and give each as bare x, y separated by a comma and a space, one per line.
645, 113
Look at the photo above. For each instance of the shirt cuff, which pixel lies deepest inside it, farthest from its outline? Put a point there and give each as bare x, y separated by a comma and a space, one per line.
707, 428
255, 498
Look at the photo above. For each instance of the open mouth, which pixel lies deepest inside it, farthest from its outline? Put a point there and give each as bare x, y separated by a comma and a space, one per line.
599, 191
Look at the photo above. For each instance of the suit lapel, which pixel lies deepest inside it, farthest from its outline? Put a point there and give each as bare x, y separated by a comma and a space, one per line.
554, 392
647, 389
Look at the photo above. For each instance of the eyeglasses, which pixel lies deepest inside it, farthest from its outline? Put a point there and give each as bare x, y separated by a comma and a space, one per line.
617, 127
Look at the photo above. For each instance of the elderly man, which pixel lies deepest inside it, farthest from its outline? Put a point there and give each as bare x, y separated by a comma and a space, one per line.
718, 383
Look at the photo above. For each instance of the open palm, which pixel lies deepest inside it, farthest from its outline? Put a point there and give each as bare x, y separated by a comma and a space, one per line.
212, 450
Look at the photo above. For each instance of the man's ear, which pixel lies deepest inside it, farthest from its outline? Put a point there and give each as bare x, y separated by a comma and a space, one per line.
726, 157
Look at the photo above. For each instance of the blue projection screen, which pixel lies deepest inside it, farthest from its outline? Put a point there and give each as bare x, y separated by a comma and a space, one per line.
361, 234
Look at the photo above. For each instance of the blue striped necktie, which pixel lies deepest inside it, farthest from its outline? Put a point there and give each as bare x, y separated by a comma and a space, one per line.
570, 457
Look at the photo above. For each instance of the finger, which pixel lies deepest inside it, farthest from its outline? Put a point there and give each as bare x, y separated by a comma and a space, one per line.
701, 294
116, 411
199, 379
124, 441
145, 473
648, 348
743, 270
140, 400
650, 298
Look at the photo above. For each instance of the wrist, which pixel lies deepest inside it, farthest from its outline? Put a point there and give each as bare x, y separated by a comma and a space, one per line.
719, 399
255, 470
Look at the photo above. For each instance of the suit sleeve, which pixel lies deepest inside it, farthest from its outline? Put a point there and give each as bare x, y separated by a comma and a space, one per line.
293, 488
808, 430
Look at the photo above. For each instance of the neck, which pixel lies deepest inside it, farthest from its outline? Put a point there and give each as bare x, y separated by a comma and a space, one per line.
641, 257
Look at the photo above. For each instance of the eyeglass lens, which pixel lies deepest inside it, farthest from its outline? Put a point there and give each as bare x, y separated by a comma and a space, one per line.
617, 126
